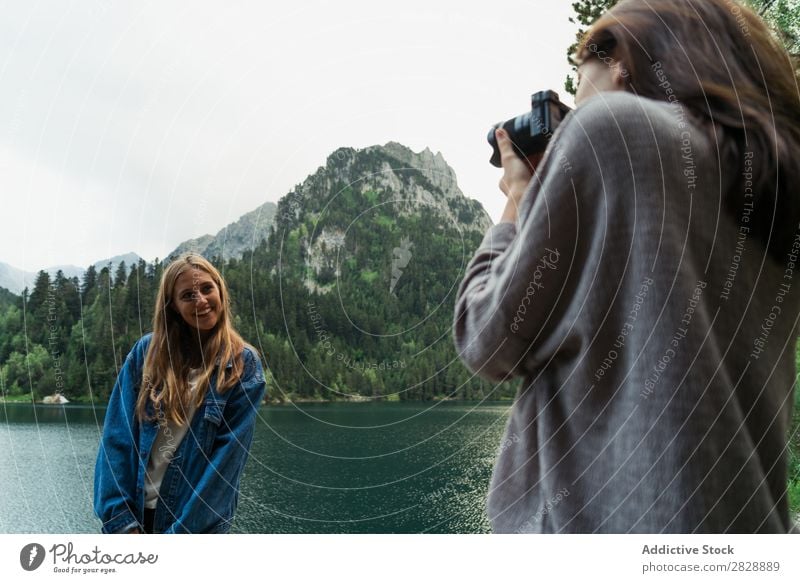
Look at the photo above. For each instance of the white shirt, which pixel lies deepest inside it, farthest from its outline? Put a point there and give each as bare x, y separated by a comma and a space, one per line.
167, 440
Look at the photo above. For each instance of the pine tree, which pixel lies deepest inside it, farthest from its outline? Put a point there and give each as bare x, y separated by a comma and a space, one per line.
139, 301
36, 309
59, 320
586, 13
121, 275
71, 294
88, 286
103, 360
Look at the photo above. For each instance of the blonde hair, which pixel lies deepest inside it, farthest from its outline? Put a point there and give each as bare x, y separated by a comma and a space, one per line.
166, 366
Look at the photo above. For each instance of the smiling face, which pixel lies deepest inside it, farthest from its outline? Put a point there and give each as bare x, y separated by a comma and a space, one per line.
196, 298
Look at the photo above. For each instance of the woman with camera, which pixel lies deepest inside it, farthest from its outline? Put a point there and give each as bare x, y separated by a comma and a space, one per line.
643, 282
181, 417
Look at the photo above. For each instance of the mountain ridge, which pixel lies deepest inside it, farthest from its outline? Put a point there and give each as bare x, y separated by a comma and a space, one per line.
424, 178
234, 239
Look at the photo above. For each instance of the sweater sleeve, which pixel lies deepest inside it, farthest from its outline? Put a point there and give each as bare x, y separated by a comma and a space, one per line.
527, 282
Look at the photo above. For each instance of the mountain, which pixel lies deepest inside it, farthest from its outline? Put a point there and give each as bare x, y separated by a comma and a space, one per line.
113, 262
346, 289
15, 280
391, 174
198, 245
235, 239
383, 194
424, 181
353, 294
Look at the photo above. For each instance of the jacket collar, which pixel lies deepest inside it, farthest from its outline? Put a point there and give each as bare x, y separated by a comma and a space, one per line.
228, 365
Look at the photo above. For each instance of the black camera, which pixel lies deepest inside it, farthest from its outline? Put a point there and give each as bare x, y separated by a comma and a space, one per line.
530, 132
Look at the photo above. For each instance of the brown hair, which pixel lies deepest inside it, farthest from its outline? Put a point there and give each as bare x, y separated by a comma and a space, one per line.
736, 80
167, 363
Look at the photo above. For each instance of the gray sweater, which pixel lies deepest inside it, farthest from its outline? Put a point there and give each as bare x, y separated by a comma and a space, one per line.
654, 336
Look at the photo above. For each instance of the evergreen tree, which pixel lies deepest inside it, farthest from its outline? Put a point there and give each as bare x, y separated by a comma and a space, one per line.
70, 292
139, 301
88, 287
11, 338
59, 320
121, 275
36, 309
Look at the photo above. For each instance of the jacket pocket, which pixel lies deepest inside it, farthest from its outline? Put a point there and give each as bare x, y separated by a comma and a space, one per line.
212, 419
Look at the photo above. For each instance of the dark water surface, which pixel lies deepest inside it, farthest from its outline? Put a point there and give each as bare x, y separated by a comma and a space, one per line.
314, 468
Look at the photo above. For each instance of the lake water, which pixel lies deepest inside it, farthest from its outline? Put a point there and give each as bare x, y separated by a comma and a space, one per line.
314, 468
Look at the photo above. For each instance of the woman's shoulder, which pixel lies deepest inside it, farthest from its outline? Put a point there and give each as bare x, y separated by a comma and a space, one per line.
611, 115
139, 349
621, 106
249, 352
616, 135
252, 362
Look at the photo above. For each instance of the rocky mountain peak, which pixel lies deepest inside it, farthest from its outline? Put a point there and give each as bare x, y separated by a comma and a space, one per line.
233, 240
432, 166
409, 182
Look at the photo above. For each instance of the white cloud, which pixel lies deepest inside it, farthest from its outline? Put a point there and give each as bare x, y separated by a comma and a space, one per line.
160, 122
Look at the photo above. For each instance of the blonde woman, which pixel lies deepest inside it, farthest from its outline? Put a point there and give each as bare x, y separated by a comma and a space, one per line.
181, 417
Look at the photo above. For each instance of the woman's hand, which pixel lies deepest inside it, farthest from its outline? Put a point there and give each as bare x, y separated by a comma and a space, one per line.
517, 174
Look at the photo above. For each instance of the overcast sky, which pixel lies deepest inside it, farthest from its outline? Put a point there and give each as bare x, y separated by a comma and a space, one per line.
134, 126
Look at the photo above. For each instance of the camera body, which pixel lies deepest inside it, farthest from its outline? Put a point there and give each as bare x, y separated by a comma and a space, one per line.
531, 131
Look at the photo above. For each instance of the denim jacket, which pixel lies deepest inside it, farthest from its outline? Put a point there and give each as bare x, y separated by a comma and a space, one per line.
200, 489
